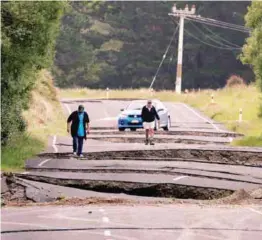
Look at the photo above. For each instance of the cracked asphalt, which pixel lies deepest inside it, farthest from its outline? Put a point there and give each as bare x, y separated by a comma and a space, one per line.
193, 154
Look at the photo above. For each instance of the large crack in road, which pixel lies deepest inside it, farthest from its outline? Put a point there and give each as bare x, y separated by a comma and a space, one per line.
190, 161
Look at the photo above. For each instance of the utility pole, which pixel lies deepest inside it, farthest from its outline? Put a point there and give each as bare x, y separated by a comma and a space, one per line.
182, 14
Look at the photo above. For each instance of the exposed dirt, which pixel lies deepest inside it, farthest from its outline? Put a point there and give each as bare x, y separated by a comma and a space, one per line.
157, 140
138, 189
13, 193
217, 156
171, 132
233, 157
170, 171
16, 191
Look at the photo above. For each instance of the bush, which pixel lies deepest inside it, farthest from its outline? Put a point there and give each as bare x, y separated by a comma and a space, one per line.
29, 30
235, 81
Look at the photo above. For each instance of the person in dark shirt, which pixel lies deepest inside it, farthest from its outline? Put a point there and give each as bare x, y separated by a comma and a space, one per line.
149, 114
79, 121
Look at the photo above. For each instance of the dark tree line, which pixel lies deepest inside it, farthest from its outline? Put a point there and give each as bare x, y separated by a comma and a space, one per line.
120, 44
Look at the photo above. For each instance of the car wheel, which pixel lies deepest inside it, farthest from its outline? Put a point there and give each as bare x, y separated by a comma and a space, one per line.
166, 128
121, 129
133, 129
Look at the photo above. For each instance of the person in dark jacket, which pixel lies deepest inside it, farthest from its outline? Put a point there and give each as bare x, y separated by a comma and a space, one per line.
79, 121
149, 114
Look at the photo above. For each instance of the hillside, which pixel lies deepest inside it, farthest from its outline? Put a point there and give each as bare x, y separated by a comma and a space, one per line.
120, 45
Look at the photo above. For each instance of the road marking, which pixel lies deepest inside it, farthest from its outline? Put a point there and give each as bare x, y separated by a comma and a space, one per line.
203, 118
105, 219
101, 210
43, 162
54, 144
107, 233
68, 108
254, 210
178, 178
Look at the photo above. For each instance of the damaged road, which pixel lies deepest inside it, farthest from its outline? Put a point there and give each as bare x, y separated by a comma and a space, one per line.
190, 165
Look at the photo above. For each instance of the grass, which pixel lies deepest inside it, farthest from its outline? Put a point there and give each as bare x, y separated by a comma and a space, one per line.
225, 109
19, 148
44, 118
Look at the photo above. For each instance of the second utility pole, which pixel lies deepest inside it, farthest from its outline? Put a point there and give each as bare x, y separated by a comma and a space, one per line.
182, 14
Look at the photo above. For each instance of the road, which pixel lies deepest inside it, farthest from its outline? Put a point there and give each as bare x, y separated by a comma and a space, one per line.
191, 161
133, 223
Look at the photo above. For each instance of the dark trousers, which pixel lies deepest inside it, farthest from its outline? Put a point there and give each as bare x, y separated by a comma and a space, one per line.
78, 144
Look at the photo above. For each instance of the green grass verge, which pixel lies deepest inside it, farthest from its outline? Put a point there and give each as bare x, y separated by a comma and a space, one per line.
249, 141
18, 149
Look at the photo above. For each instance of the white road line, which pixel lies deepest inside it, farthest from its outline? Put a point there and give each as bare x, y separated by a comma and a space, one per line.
254, 210
43, 162
178, 178
105, 219
203, 118
54, 144
107, 233
68, 108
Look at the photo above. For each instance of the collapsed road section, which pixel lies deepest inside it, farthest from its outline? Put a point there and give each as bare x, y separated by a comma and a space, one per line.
190, 161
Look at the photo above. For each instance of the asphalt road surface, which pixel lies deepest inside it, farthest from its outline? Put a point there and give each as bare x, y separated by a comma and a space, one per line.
194, 155
133, 223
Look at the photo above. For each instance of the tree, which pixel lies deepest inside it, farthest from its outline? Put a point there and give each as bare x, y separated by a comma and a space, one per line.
29, 31
120, 44
252, 50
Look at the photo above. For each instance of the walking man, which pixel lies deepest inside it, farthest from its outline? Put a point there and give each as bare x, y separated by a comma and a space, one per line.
79, 122
149, 114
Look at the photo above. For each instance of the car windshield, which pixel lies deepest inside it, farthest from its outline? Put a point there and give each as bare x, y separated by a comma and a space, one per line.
137, 105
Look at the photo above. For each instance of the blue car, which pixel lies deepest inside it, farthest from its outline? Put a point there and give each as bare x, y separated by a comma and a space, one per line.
130, 117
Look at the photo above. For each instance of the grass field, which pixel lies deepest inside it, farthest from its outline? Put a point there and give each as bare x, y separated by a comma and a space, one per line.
44, 118
225, 109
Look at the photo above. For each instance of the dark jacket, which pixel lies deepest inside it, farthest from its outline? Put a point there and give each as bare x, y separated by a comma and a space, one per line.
149, 115
75, 122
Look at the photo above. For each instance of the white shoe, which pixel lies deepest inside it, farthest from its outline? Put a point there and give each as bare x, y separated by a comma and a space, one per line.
74, 153
81, 155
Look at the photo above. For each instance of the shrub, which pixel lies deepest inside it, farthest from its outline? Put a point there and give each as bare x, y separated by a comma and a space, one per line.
235, 81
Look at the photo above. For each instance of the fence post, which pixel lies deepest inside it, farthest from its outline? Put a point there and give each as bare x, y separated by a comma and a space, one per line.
151, 92
107, 93
240, 115
212, 98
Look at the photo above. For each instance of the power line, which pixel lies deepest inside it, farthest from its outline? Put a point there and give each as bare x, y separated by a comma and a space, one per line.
212, 39
221, 22
219, 25
211, 45
218, 36
163, 58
